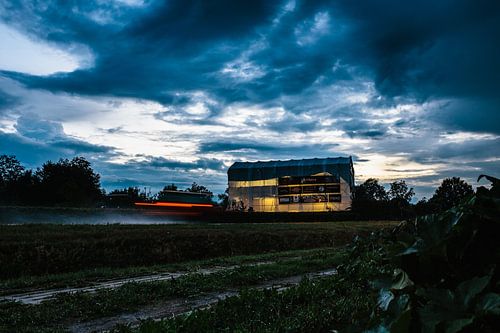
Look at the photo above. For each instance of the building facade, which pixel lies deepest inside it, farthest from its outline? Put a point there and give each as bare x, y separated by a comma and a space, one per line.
308, 185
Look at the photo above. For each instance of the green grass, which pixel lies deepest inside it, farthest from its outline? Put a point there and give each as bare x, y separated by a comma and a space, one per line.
87, 277
54, 314
30, 250
313, 306
341, 302
36, 256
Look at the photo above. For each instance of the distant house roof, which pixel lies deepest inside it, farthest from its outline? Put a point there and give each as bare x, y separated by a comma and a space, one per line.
339, 166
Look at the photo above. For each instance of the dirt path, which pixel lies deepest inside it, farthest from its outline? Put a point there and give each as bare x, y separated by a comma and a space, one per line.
179, 306
36, 297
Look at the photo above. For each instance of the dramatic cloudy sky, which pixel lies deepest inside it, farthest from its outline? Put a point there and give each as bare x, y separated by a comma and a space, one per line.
154, 92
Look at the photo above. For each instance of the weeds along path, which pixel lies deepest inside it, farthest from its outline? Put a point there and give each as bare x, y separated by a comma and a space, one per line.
38, 297
161, 295
180, 306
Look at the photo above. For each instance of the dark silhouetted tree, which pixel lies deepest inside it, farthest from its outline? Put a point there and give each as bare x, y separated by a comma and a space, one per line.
370, 200
370, 190
400, 196
450, 193
17, 184
423, 207
171, 187
198, 189
399, 191
69, 183
10, 169
224, 199
163, 195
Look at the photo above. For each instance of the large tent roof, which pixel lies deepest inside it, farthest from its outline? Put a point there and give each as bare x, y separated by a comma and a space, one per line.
340, 166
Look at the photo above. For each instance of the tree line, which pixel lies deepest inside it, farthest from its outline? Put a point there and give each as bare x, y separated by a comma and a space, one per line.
74, 183
65, 183
371, 199
70, 183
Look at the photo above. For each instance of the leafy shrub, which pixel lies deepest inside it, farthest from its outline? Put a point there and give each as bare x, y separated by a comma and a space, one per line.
448, 274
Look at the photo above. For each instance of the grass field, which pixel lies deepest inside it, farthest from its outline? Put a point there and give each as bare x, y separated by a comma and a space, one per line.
53, 256
30, 250
340, 303
67, 308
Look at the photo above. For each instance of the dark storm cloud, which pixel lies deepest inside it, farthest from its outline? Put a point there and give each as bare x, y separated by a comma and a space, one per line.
30, 152
425, 50
247, 150
182, 23
31, 126
461, 152
180, 46
293, 125
37, 141
447, 45
363, 128
211, 147
34, 153
167, 46
202, 163
81, 147
6, 100
446, 49
475, 114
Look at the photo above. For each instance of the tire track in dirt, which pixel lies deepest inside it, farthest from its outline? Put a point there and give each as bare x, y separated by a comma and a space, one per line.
37, 297
178, 306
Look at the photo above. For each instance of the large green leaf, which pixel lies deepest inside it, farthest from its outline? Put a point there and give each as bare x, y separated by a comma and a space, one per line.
384, 299
402, 324
401, 280
489, 304
452, 309
398, 306
457, 325
429, 319
433, 230
469, 289
440, 306
397, 312
442, 298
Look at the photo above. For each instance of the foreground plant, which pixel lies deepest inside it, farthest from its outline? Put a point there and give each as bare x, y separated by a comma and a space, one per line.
448, 274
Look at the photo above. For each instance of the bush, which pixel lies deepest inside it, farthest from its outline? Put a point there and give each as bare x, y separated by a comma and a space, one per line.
448, 272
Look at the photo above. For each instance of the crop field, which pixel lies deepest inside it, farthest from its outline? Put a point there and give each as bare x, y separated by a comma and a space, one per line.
31, 250
42, 267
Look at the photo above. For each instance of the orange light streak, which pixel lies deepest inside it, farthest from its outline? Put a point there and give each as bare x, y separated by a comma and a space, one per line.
172, 204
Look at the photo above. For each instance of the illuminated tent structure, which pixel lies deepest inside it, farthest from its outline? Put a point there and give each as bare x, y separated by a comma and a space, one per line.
308, 185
